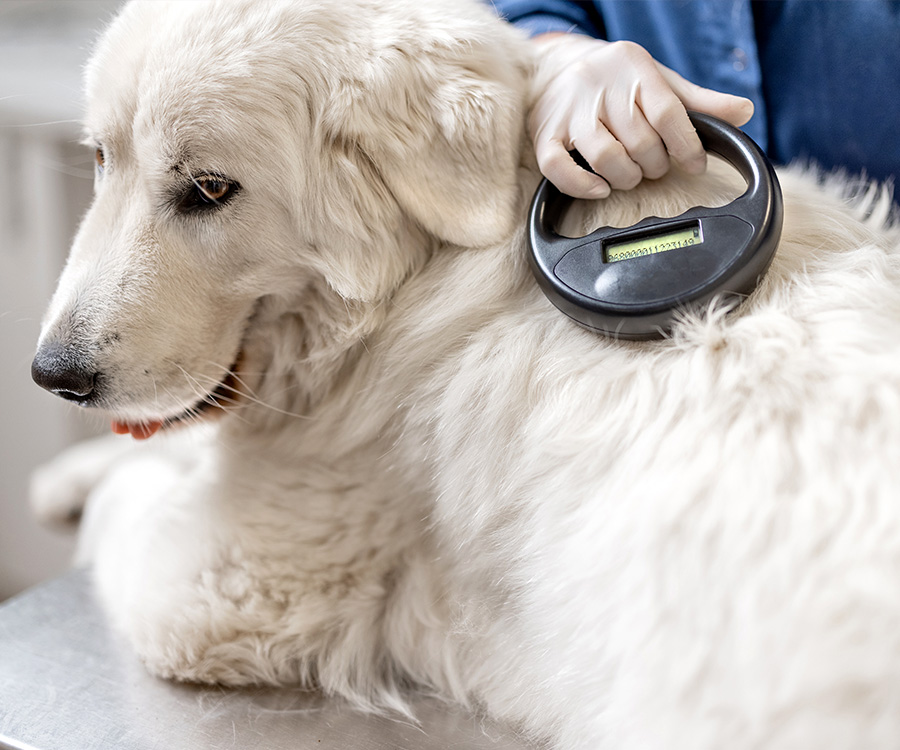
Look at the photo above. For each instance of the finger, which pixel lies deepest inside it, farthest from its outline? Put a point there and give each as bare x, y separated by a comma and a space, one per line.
647, 150
733, 109
642, 143
668, 117
558, 166
606, 154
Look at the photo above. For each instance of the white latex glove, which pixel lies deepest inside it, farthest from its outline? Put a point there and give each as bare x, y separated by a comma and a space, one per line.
623, 111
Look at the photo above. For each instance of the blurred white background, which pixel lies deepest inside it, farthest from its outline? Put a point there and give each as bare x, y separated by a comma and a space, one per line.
45, 186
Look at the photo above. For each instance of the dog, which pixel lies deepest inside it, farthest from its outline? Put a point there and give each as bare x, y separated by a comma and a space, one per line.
385, 460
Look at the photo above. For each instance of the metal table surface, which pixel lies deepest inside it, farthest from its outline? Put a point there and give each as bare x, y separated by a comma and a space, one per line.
68, 683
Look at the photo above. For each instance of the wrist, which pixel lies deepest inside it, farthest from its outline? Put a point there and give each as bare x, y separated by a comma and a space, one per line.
556, 52
547, 36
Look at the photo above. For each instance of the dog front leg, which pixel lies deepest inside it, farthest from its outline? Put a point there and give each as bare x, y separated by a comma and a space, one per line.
243, 572
60, 488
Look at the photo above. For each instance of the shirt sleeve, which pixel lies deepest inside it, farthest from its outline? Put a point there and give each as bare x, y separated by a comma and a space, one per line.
542, 16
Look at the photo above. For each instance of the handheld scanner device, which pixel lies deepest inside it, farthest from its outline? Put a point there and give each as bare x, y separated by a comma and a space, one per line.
631, 282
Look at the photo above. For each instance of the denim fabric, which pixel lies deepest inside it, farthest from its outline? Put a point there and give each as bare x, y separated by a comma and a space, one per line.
824, 75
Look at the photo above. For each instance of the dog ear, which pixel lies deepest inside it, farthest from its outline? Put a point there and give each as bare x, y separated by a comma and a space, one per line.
439, 114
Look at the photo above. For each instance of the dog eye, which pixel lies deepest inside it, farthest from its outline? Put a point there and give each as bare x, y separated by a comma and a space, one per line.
206, 192
100, 159
212, 189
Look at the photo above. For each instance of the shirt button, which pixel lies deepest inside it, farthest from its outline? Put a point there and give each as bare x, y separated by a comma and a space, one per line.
738, 59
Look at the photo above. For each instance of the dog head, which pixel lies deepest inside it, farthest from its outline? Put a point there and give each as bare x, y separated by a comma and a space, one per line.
249, 150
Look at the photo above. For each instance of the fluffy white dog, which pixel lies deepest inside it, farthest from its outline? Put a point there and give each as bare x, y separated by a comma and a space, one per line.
309, 222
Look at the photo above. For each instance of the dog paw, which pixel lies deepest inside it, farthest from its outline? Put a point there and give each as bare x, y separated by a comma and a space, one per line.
237, 664
60, 488
57, 498
216, 647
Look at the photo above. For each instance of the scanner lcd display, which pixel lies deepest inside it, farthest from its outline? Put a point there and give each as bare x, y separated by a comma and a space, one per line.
654, 243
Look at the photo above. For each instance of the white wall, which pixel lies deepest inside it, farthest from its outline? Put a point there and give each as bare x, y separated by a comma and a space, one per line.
45, 185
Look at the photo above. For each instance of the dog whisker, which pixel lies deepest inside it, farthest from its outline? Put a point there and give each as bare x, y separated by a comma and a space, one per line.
246, 393
217, 396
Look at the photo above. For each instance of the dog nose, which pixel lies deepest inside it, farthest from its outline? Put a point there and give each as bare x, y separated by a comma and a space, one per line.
61, 372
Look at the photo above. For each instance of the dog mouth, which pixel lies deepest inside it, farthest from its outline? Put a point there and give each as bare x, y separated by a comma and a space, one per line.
226, 394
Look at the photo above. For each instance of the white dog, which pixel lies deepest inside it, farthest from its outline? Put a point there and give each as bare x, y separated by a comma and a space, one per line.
309, 222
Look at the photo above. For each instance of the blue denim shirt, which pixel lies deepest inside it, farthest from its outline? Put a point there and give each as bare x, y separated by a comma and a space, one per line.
824, 75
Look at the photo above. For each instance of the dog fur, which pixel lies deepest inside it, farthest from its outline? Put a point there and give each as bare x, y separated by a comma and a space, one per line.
429, 476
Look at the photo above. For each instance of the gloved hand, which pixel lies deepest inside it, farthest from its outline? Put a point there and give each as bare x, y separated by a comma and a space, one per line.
624, 112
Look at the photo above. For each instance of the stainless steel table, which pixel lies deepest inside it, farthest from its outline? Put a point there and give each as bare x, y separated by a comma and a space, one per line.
68, 683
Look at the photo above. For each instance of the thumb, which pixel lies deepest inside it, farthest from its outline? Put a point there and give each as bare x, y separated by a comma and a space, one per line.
736, 110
